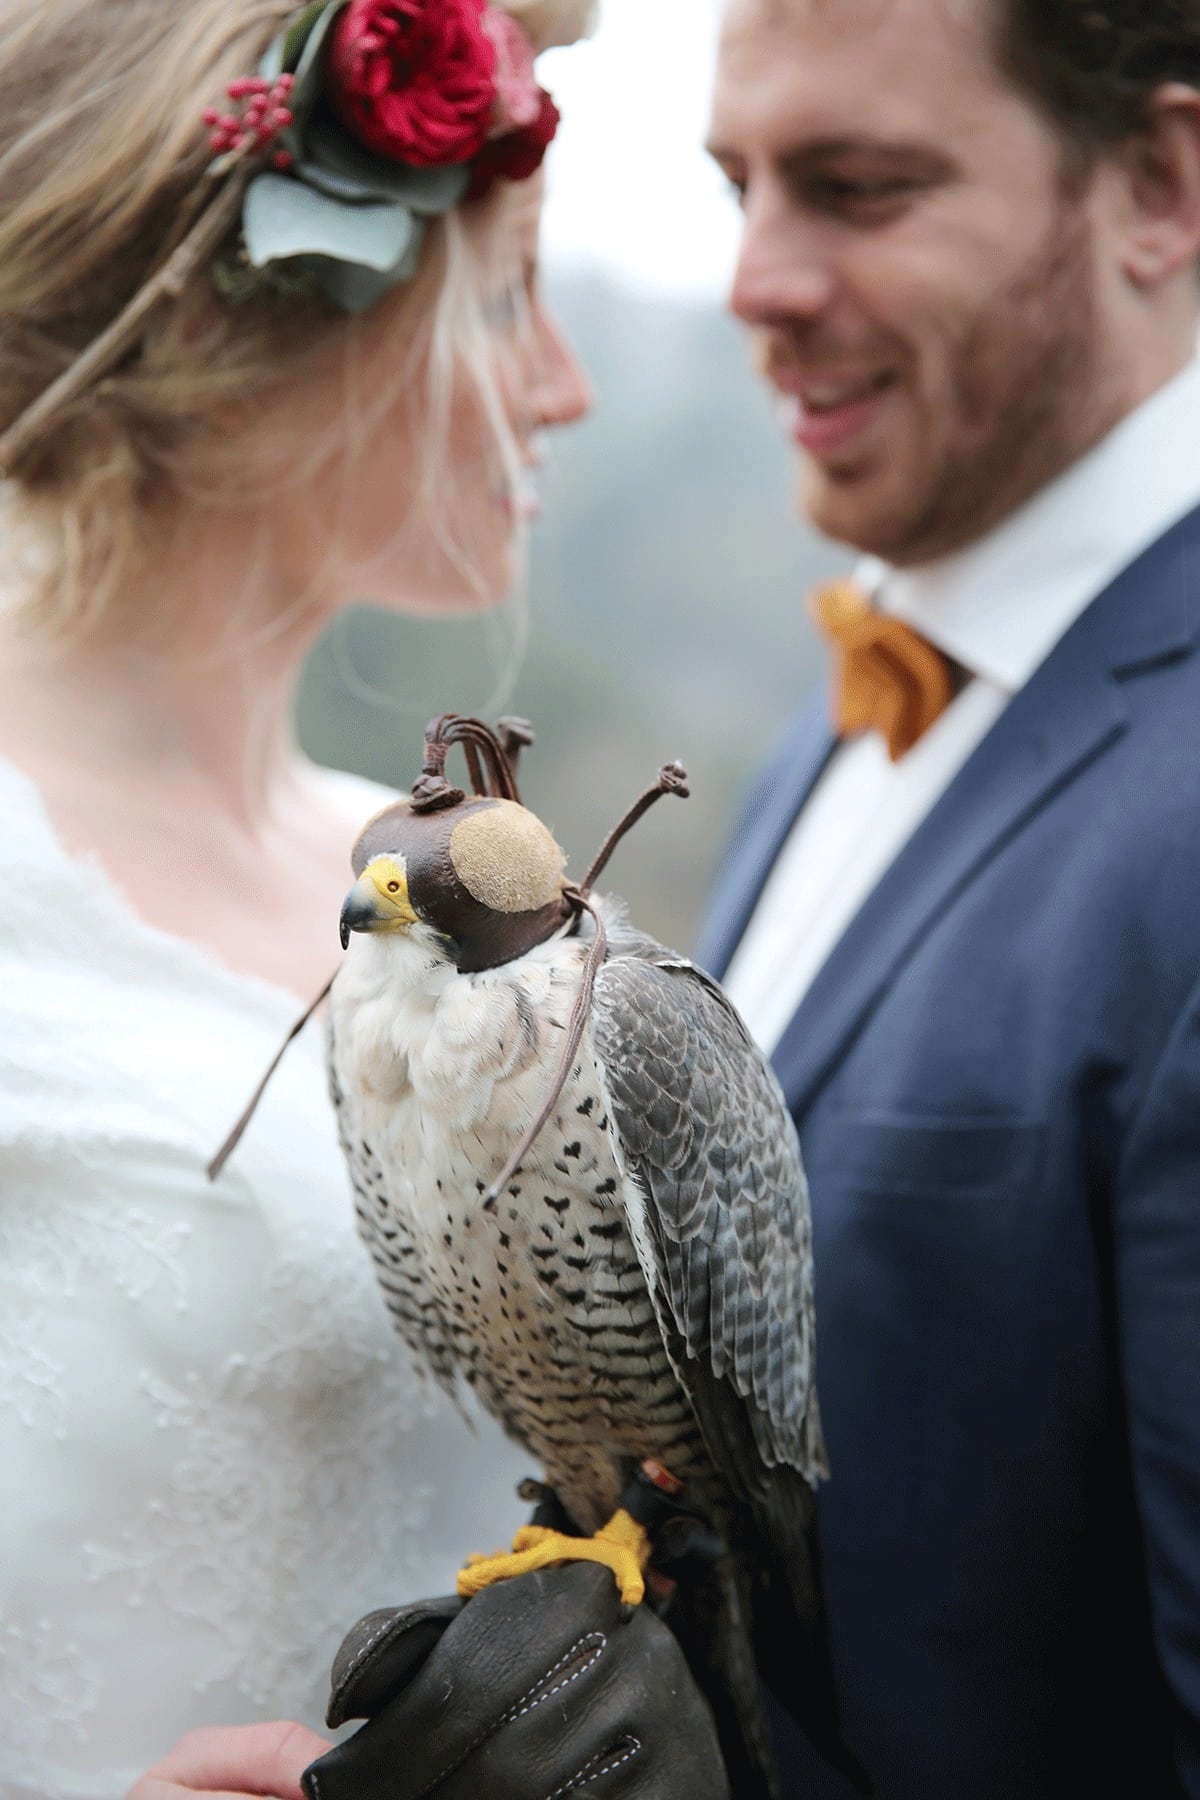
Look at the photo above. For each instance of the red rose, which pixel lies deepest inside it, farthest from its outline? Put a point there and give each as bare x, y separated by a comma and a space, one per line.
519, 154
413, 80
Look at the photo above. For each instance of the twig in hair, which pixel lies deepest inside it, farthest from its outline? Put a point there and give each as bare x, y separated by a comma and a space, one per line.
167, 283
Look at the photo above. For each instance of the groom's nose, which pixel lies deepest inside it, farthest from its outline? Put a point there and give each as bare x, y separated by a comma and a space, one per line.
784, 274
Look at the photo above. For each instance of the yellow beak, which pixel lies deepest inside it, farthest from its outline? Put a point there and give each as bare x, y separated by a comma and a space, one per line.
378, 901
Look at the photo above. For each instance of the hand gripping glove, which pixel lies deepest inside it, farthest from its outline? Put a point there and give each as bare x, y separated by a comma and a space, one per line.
538, 1688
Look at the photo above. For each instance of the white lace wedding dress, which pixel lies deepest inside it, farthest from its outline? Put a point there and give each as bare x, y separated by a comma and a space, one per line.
214, 1452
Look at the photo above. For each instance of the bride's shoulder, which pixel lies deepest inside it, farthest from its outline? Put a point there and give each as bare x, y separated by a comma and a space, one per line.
351, 800
25, 834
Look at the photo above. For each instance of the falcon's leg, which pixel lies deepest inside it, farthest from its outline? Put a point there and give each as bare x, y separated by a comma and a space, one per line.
548, 1509
652, 1510
622, 1546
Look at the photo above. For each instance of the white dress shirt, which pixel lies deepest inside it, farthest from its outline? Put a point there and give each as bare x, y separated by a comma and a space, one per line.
999, 608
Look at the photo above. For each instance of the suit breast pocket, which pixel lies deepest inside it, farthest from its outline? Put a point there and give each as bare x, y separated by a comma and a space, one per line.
915, 1154
931, 1234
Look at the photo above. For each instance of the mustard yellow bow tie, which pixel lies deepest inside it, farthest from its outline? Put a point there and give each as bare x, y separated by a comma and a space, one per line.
887, 677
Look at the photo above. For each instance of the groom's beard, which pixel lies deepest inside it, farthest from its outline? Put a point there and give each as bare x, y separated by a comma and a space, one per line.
986, 403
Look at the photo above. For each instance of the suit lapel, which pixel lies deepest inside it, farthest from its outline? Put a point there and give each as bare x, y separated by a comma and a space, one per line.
1070, 713
762, 831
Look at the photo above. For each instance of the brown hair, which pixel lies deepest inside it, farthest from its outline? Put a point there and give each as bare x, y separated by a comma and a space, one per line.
1092, 65
100, 147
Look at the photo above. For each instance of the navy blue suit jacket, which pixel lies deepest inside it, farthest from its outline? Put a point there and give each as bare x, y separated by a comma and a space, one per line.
996, 1078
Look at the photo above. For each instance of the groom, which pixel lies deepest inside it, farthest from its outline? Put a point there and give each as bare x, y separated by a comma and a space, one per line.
969, 932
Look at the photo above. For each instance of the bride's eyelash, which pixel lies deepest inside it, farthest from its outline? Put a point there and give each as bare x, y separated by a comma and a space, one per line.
507, 308
502, 309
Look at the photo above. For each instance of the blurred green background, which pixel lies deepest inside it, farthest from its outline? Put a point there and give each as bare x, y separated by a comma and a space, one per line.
667, 615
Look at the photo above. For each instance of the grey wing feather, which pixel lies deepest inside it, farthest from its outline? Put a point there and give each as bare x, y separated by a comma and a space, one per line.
705, 1134
705, 1131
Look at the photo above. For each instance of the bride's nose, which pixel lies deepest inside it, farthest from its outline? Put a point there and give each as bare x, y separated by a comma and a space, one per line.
559, 392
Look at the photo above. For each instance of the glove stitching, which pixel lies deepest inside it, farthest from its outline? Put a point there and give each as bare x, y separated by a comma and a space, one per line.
596, 1641
581, 1778
365, 1651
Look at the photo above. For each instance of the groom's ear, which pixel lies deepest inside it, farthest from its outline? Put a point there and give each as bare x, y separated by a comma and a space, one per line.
1157, 176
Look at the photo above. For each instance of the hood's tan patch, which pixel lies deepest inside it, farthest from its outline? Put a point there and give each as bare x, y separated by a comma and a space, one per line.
506, 859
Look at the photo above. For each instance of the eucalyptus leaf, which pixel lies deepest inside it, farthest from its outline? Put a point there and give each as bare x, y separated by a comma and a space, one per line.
270, 63
355, 288
300, 43
309, 66
334, 164
283, 218
283, 52
294, 38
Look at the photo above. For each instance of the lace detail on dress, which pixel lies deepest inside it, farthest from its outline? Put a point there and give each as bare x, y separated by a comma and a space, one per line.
274, 1501
77, 1235
71, 1239
32, 1383
49, 1687
229, 1543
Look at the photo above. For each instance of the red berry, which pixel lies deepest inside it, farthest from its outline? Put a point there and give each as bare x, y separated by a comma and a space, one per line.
282, 159
210, 115
286, 83
281, 118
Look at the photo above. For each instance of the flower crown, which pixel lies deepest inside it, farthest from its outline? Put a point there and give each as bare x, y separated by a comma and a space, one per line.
376, 116
366, 119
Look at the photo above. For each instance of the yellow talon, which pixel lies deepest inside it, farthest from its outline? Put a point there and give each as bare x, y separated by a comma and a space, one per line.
622, 1546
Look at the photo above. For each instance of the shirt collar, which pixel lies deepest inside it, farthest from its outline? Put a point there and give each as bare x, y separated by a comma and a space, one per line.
1001, 605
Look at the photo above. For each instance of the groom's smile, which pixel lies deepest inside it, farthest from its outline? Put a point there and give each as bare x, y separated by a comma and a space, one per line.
825, 413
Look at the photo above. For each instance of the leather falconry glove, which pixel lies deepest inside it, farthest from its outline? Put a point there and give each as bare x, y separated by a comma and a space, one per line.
537, 1689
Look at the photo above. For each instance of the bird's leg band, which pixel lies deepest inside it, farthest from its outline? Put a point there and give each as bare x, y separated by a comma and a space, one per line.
681, 1536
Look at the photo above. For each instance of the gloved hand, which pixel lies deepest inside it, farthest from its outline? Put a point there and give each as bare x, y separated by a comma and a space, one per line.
534, 1690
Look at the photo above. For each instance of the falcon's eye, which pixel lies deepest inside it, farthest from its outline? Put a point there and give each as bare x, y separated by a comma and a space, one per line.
393, 887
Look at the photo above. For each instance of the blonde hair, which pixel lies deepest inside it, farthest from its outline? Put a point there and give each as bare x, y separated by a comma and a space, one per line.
100, 147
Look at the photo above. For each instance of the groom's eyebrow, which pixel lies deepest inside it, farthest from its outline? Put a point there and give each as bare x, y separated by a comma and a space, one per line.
923, 160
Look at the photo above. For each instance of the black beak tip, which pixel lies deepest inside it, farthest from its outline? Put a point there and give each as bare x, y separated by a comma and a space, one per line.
357, 915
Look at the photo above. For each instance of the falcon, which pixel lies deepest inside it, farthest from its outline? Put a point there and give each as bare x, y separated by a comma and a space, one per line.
582, 1192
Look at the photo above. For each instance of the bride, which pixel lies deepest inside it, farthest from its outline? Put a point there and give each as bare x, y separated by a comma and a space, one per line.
215, 1451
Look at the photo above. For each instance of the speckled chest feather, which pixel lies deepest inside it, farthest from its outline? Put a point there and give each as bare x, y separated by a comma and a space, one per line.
540, 1303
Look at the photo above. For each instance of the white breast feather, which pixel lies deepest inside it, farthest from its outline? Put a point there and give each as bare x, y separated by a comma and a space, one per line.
442, 1071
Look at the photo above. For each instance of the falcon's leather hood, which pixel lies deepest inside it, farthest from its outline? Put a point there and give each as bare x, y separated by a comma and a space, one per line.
448, 874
